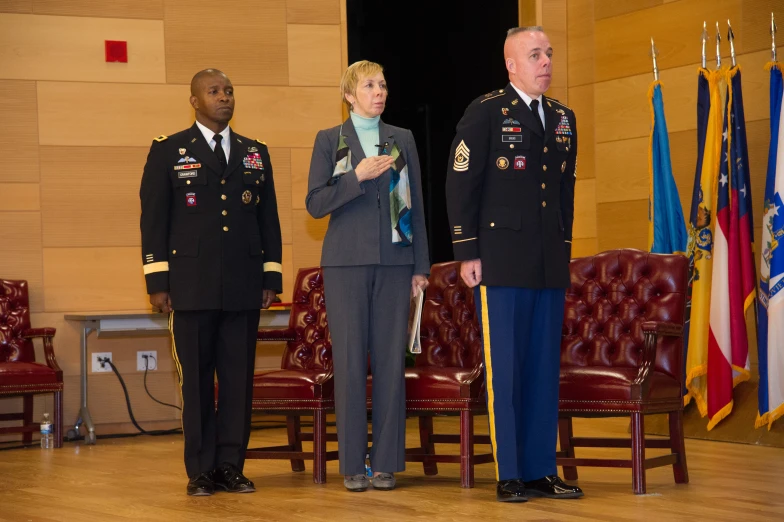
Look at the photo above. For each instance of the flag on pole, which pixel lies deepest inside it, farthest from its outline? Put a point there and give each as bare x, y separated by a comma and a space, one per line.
728, 362
666, 225
701, 228
770, 333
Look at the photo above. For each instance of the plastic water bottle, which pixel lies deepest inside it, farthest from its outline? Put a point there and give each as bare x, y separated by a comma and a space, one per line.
368, 471
46, 433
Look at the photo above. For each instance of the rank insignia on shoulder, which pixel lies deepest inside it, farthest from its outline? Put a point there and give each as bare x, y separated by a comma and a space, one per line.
462, 154
161, 138
262, 142
502, 163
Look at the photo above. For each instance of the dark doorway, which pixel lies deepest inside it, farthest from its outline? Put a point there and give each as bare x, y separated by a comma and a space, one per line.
438, 57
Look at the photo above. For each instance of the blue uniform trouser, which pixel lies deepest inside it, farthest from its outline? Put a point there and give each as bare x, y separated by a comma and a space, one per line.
521, 330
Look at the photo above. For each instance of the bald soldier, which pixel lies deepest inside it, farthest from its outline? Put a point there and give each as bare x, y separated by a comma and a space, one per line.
510, 199
211, 252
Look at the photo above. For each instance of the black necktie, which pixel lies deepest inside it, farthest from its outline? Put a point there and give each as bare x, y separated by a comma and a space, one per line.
535, 110
219, 151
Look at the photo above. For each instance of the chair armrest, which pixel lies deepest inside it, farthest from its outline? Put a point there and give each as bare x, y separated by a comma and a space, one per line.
287, 334
658, 328
47, 334
652, 330
473, 384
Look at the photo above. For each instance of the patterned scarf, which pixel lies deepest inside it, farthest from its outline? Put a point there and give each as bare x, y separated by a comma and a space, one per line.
399, 190
400, 200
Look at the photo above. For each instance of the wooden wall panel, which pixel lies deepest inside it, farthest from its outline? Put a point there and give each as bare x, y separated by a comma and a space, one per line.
755, 23
584, 209
623, 42
16, 6
289, 273
251, 48
281, 168
622, 224
88, 279
580, 42
581, 102
584, 247
20, 196
526, 12
21, 255
37, 47
308, 235
554, 23
313, 11
19, 132
148, 9
90, 196
300, 168
610, 8
622, 170
314, 55
146, 111
278, 115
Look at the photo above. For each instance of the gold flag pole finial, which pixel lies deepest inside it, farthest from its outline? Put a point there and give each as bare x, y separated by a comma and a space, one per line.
654, 53
773, 36
731, 39
718, 47
705, 38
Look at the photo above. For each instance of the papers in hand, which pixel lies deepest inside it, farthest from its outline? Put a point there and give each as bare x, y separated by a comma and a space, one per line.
414, 345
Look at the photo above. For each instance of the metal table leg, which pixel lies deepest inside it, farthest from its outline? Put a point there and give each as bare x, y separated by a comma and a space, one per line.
84, 411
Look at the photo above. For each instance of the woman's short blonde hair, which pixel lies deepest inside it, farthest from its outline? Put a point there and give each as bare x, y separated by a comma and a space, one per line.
354, 74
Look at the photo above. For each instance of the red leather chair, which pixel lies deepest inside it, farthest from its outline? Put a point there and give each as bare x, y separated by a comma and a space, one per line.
20, 375
621, 354
448, 377
303, 385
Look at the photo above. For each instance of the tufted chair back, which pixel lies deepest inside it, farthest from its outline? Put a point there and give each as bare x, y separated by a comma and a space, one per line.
312, 347
450, 333
14, 318
612, 294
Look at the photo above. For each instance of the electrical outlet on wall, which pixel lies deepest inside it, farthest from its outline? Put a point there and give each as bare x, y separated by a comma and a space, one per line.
97, 367
150, 362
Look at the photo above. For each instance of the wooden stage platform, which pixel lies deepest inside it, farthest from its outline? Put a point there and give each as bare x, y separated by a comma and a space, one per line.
143, 478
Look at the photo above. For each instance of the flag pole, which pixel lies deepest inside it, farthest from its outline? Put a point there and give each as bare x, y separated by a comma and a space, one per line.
773, 36
731, 38
705, 38
718, 48
654, 53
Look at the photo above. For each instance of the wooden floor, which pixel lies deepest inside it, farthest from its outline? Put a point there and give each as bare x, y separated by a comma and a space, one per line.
143, 479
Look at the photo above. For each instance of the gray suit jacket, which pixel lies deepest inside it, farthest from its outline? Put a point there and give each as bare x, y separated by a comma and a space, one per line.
360, 226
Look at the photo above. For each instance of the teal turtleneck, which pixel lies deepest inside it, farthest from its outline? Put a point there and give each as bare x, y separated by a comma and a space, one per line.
367, 131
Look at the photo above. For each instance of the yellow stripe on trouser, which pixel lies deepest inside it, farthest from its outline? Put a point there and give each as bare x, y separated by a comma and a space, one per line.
489, 366
178, 365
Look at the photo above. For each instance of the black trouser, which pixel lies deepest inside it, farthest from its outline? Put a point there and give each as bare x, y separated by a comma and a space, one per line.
207, 342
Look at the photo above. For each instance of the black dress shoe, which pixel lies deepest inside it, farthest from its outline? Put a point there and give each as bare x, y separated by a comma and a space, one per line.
510, 491
231, 479
551, 487
201, 485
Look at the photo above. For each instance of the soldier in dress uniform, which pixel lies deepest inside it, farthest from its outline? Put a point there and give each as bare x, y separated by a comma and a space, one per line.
211, 251
510, 199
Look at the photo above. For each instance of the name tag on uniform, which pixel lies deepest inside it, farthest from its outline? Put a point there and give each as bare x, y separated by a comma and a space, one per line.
511, 139
188, 174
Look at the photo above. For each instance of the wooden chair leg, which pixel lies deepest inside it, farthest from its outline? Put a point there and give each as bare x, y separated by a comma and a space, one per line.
466, 449
638, 453
58, 419
679, 469
319, 446
27, 418
295, 441
565, 435
425, 433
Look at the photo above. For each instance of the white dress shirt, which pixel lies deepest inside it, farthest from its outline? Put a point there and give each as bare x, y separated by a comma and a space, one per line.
225, 142
527, 99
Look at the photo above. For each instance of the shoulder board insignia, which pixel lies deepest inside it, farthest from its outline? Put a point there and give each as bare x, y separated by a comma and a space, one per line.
262, 142
557, 103
161, 138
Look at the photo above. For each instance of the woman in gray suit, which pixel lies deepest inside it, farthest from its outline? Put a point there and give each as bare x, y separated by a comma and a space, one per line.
365, 175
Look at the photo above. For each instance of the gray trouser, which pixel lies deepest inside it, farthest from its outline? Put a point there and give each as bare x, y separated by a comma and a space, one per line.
367, 309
